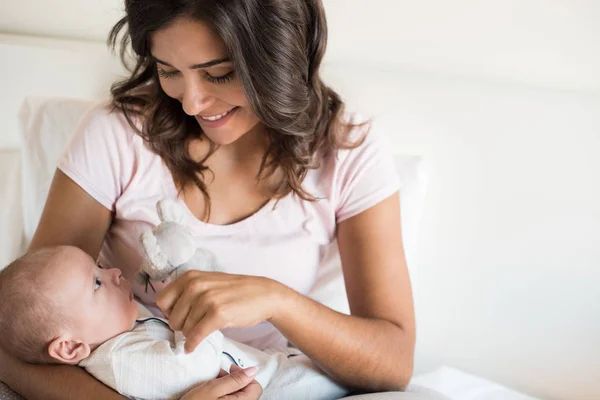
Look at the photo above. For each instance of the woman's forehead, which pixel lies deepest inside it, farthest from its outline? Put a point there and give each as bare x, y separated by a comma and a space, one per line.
187, 42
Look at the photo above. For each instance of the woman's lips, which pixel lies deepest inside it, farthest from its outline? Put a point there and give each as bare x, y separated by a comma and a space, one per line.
218, 123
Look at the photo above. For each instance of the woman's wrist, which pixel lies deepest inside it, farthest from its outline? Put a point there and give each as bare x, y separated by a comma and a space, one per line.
282, 301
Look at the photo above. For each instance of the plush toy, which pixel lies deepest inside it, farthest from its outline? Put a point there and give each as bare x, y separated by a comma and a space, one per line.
169, 250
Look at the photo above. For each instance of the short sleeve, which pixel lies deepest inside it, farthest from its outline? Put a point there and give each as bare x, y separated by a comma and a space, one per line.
100, 157
365, 176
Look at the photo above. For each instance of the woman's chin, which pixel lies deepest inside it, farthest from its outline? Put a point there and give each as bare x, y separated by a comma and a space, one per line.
230, 132
221, 137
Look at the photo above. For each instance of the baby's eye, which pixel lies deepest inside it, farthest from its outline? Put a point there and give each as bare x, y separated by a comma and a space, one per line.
97, 284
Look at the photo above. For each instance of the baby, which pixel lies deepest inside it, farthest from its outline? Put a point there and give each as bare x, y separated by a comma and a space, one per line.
58, 306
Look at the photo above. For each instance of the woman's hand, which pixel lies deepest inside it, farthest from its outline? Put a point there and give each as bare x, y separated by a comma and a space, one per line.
199, 303
239, 384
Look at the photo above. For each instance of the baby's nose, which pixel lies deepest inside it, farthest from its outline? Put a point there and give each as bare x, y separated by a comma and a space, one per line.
116, 272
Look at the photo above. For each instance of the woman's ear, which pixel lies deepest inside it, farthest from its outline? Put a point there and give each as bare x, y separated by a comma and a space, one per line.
67, 350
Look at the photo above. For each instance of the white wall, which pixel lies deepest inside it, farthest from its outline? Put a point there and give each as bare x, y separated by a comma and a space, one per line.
67, 68
506, 283
547, 42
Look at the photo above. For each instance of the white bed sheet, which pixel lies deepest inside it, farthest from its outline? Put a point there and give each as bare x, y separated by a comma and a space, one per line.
459, 385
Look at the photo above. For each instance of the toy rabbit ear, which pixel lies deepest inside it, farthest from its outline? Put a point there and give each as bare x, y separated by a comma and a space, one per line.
169, 210
155, 263
151, 252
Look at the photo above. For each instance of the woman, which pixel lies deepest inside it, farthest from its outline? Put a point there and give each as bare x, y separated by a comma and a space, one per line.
226, 112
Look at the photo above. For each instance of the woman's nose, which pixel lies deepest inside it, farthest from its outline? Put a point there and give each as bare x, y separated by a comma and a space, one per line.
196, 97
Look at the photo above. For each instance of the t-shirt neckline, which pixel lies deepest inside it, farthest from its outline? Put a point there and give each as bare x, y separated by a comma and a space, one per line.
197, 224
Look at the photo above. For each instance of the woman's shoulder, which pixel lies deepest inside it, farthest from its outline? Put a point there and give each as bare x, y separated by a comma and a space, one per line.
358, 174
105, 153
360, 142
104, 116
105, 127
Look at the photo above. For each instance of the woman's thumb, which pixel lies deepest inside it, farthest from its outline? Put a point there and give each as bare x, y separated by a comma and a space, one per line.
249, 372
236, 380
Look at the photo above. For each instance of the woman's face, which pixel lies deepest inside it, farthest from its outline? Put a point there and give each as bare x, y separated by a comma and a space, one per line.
194, 68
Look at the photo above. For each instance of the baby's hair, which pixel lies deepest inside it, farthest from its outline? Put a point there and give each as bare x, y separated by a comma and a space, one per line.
29, 320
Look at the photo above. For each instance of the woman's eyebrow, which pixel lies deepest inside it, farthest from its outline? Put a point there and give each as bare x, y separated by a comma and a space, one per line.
207, 64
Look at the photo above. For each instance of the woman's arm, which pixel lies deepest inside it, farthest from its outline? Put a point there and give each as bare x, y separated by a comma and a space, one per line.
52, 382
373, 348
70, 217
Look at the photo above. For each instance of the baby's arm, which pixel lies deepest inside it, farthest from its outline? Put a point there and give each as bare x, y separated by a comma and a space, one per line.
149, 365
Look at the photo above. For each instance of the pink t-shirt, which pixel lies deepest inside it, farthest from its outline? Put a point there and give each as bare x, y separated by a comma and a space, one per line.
286, 243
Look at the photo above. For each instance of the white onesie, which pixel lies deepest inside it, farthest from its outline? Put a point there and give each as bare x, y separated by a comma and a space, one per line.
149, 362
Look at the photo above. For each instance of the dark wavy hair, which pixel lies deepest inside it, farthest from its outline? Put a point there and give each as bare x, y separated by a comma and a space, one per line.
276, 47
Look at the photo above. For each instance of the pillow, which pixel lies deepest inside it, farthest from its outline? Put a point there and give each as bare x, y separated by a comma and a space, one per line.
46, 127
11, 224
412, 171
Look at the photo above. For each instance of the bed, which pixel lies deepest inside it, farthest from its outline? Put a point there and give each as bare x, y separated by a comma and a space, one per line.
38, 110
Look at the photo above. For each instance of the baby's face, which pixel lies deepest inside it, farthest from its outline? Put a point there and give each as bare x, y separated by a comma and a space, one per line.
97, 302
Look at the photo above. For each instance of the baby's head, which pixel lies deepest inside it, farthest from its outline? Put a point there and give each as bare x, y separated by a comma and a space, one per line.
57, 305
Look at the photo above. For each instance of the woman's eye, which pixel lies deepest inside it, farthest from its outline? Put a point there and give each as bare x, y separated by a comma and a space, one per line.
97, 284
219, 79
166, 74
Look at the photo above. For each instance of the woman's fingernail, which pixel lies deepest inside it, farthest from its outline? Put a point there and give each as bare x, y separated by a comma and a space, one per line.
251, 372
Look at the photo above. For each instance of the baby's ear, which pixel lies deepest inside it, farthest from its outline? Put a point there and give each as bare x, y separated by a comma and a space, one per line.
67, 350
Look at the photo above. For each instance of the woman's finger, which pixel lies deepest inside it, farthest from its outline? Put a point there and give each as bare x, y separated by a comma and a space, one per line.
234, 368
251, 392
222, 373
180, 311
168, 296
196, 314
233, 382
207, 325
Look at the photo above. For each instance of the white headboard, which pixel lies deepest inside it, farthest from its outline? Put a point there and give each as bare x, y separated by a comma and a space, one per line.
50, 68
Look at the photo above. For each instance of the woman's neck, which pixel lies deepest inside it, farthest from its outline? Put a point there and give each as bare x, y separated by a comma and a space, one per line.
245, 153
